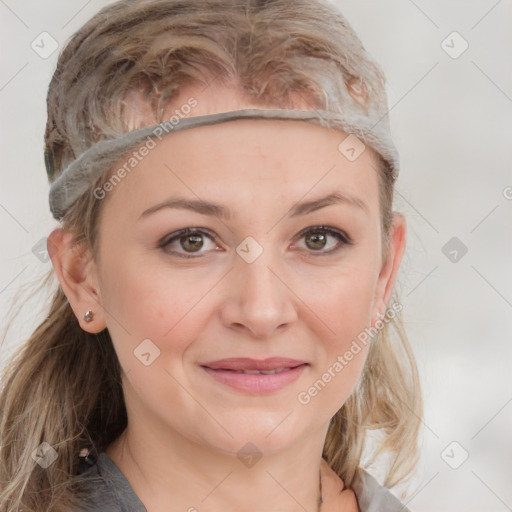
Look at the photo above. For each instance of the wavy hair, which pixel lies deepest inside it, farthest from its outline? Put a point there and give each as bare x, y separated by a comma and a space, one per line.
63, 386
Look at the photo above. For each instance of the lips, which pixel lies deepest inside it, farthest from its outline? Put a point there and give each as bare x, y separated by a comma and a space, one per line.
265, 366
255, 376
261, 372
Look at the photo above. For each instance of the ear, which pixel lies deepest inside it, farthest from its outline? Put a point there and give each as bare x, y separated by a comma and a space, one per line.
390, 266
76, 272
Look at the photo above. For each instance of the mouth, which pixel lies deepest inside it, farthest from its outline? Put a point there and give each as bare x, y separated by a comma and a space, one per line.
253, 376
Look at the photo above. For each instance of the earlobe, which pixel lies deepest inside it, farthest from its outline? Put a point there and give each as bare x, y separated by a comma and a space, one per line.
389, 269
77, 277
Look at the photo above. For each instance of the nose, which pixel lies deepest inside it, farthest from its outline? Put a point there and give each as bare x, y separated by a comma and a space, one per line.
258, 301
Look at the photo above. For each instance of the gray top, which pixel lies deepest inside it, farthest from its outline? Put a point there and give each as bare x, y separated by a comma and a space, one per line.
110, 491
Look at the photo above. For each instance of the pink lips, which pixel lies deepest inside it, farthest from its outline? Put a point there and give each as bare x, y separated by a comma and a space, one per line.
255, 376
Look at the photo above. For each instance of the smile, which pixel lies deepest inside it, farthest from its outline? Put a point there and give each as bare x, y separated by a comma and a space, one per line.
261, 372
255, 377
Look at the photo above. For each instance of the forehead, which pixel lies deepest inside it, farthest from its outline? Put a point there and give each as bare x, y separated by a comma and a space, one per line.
294, 156
244, 160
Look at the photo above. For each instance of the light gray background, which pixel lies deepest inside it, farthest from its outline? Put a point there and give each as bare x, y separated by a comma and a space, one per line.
451, 119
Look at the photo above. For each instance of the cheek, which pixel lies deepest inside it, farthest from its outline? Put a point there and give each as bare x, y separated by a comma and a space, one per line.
145, 303
344, 303
345, 307
351, 301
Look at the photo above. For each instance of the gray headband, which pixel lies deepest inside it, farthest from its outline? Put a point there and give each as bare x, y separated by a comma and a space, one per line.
77, 177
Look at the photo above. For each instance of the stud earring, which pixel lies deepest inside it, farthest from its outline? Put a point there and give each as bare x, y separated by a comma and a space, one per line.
89, 316
380, 315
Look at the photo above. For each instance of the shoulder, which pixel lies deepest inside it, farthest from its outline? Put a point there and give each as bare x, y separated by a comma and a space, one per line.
105, 488
364, 495
373, 497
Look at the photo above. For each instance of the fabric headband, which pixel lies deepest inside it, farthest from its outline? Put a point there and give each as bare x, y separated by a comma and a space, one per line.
80, 174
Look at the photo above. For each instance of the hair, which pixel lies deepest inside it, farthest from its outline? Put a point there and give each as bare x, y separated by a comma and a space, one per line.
63, 386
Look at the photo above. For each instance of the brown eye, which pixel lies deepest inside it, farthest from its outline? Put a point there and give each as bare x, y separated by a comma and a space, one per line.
191, 242
186, 242
317, 240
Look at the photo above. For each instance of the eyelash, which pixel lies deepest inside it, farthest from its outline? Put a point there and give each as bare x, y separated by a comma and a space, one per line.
342, 237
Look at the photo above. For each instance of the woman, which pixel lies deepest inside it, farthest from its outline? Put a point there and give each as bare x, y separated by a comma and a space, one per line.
220, 338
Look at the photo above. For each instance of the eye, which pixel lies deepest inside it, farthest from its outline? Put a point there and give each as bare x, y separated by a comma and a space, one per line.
186, 242
190, 240
317, 240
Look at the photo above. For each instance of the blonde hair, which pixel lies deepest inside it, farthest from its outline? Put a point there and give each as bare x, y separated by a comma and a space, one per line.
63, 386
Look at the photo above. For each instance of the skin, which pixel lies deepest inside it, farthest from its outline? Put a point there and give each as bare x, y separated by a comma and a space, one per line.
184, 428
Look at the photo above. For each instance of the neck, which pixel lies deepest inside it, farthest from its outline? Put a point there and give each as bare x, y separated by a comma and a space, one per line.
193, 477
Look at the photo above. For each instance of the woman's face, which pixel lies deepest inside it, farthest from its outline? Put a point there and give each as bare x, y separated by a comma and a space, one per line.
269, 277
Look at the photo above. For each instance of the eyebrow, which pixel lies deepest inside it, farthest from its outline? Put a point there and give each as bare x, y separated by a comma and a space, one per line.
216, 210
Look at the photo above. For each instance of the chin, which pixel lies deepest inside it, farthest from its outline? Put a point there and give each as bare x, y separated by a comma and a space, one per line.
269, 433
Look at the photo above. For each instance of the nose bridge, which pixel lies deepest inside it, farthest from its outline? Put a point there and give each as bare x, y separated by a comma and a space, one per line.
258, 299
